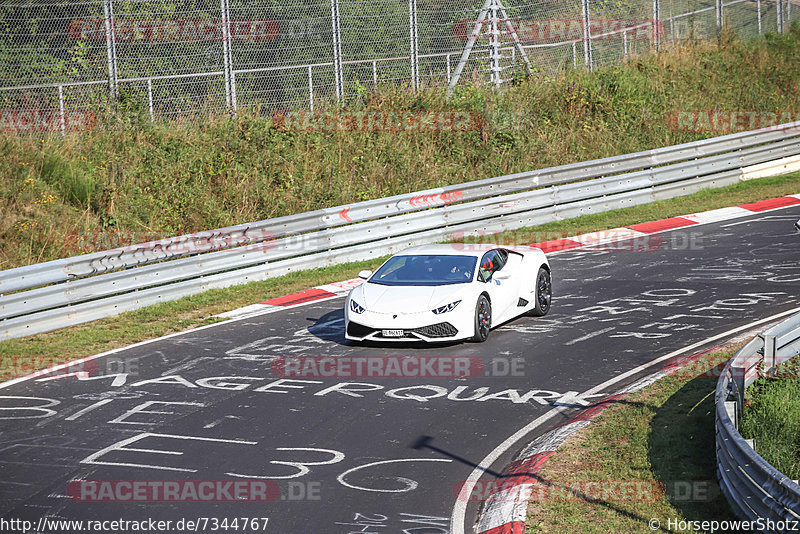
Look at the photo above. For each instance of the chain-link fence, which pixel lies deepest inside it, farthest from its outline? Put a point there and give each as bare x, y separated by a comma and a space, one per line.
66, 64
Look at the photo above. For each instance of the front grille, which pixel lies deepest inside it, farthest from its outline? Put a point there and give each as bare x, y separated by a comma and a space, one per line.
358, 330
437, 330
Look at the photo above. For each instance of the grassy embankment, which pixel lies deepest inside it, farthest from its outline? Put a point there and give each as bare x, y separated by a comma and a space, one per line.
145, 181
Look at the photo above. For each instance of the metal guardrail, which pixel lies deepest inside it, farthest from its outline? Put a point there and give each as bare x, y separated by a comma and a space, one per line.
754, 489
59, 293
156, 251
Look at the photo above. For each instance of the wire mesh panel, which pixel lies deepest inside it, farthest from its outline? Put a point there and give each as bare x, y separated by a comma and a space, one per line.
741, 16
378, 30
687, 20
272, 68
178, 45
622, 27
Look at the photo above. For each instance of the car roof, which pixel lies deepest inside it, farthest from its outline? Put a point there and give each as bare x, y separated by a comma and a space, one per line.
449, 249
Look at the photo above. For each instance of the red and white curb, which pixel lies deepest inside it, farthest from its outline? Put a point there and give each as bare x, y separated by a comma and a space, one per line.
636, 233
641, 230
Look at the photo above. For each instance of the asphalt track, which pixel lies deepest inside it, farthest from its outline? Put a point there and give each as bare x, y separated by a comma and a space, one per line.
385, 455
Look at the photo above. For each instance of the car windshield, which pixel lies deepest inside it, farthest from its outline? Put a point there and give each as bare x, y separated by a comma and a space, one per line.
425, 270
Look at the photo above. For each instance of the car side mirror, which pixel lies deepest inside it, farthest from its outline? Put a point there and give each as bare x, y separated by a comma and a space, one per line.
365, 274
502, 275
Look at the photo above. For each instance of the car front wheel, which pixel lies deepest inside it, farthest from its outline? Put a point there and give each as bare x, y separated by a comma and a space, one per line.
544, 293
483, 319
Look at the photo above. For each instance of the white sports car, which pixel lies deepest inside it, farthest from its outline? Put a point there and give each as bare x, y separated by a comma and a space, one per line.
447, 292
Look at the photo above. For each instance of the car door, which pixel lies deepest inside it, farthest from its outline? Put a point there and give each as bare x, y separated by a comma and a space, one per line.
503, 293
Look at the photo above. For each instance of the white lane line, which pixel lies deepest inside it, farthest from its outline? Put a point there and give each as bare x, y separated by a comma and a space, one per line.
458, 517
590, 335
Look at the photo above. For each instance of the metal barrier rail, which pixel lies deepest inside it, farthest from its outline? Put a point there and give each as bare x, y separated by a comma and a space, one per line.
66, 292
754, 489
68, 269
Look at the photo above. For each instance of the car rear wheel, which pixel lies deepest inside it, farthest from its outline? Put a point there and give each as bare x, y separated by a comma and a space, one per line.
544, 293
483, 319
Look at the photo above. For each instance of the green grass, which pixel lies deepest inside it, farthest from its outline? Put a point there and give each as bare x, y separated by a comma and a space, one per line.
771, 417
22, 356
117, 186
659, 437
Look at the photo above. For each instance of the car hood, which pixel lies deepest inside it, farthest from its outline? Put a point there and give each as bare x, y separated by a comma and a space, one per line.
406, 299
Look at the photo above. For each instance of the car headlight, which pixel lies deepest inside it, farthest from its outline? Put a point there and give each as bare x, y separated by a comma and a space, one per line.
355, 307
446, 308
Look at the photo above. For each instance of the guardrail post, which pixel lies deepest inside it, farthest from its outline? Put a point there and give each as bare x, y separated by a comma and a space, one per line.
733, 413
337, 50
111, 48
587, 36
769, 352
412, 23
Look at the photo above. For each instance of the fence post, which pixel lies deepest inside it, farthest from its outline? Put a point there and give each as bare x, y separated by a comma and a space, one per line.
310, 89
656, 24
62, 119
234, 105
718, 11
412, 23
780, 16
587, 37
624, 45
574, 54
150, 98
111, 48
494, 45
226, 68
448, 68
337, 50
758, 10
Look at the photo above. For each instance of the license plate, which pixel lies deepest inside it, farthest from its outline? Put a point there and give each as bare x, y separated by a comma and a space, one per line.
392, 333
